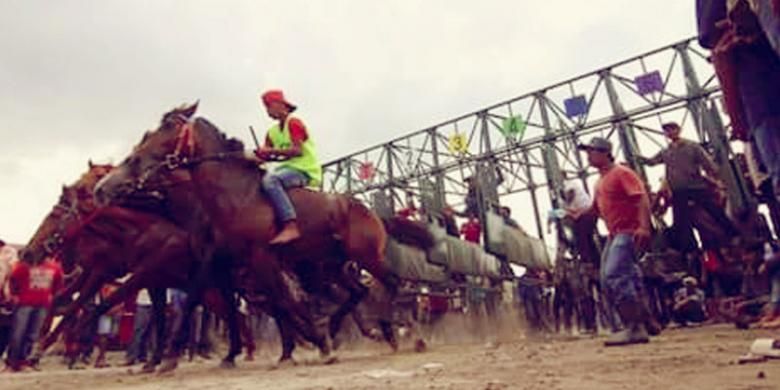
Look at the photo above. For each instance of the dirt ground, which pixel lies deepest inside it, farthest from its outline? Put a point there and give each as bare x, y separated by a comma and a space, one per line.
690, 358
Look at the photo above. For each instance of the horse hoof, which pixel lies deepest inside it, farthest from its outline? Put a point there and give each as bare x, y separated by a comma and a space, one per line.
147, 369
420, 346
168, 365
284, 363
249, 358
227, 364
329, 359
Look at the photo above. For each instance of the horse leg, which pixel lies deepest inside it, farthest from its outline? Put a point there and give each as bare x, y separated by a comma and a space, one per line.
87, 291
231, 316
247, 336
281, 299
70, 289
120, 295
287, 337
357, 292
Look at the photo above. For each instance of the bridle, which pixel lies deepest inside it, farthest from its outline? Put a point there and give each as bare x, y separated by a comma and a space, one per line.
182, 157
65, 228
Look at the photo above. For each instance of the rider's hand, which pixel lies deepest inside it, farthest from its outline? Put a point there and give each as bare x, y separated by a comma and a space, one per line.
263, 154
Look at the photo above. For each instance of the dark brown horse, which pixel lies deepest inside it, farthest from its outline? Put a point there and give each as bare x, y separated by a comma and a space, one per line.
211, 189
107, 243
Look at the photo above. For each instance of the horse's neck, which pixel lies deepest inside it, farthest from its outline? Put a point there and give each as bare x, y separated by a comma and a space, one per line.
226, 185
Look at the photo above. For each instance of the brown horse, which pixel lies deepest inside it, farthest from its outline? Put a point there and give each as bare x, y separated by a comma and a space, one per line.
107, 243
209, 188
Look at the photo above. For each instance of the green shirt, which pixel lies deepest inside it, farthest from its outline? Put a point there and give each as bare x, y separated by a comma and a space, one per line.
307, 162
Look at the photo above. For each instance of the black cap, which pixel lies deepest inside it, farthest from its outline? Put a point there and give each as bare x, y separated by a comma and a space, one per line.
670, 126
598, 144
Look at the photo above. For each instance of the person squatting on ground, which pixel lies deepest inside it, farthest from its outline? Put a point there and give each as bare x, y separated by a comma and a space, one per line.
32, 288
288, 142
622, 202
689, 303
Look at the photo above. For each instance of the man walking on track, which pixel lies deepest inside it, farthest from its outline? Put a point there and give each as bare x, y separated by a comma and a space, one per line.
622, 202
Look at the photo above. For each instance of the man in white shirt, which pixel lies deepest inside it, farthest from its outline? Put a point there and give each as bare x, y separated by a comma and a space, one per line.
577, 203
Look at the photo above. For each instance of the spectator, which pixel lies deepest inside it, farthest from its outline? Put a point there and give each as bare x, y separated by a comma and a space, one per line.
684, 161
7, 257
32, 288
471, 230
142, 329
621, 200
689, 303
748, 69
771, 266
506, 214
107, 326
577, 202
451, 226
471, 199
411, 211
177, 300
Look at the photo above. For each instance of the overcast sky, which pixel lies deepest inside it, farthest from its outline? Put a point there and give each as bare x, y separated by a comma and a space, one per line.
84, 79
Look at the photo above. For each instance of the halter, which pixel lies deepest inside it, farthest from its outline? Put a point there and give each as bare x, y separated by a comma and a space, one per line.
182, 156
65, 230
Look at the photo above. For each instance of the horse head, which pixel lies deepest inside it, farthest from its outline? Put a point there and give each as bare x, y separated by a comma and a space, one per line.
164, 157
75, 202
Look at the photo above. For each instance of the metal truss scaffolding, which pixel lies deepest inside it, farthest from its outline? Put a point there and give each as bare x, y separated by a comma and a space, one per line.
527, 145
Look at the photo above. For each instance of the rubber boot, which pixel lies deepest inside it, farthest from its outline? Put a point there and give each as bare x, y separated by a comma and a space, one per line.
631, 313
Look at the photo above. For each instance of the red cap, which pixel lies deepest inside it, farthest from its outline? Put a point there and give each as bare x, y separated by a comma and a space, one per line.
276, 95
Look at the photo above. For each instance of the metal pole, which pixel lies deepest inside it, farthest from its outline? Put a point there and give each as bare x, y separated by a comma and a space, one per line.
532, 190
623, 125
708, 123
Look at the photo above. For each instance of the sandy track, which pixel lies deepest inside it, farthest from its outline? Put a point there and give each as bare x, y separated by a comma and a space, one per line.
698, 358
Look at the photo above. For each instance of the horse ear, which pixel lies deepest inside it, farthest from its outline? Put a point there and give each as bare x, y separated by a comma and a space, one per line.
190, 111
90, 164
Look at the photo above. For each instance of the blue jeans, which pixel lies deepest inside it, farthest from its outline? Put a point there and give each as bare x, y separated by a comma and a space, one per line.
142, 329
620, 275
26, 326
769, 23
767, 140
274, 185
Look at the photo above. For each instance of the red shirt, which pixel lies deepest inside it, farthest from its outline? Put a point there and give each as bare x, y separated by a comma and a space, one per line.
617, 197
471, 231
407, 213
36, 285
298, 133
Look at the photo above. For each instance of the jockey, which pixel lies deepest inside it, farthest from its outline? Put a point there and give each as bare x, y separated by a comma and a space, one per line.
289, 143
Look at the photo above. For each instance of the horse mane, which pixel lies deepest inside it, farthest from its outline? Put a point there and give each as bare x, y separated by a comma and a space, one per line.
231, 144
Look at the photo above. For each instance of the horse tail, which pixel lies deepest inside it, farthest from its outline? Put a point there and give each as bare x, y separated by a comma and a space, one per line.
409, 232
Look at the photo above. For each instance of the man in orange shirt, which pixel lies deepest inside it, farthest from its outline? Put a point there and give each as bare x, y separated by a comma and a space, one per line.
32, 288
622, 202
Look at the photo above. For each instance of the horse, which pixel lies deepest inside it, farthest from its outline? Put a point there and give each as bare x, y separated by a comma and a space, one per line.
107, 243
209, 187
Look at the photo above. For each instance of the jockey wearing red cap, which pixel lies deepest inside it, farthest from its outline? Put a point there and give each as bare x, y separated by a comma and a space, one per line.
289, 143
